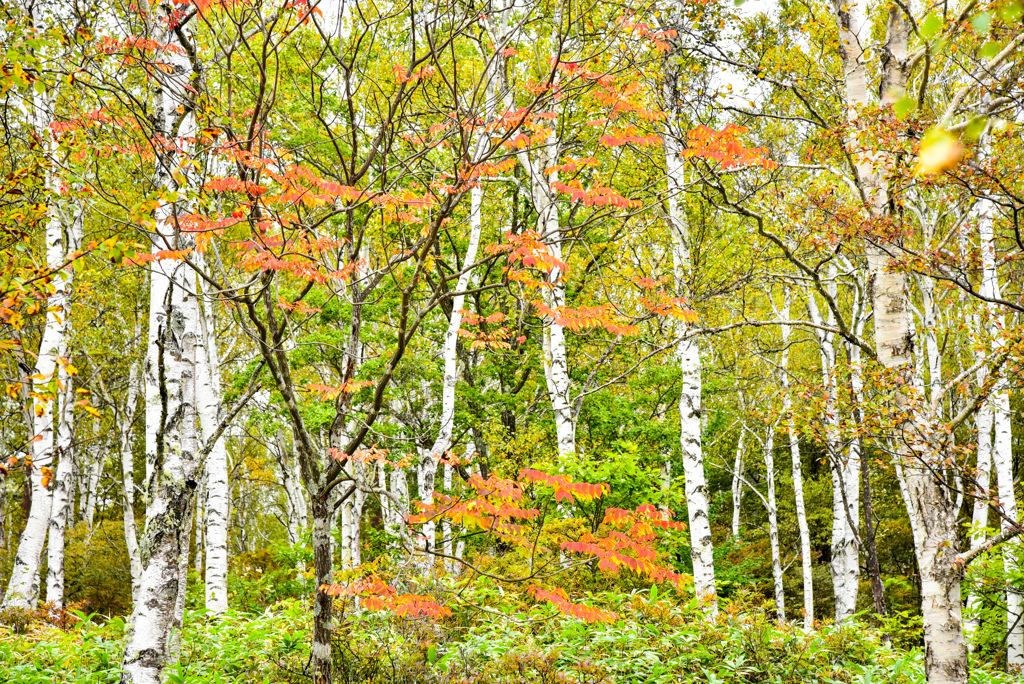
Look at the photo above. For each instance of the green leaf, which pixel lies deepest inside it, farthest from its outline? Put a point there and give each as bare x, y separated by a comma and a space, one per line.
1011, 12
990, 49
981, 22
654, 593
931, 26
975, 127
904, 106
39, 86
432, 654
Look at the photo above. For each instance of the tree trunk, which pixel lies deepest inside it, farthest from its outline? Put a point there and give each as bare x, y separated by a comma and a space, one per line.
687, 351
23, 585
208, 393
737, 484
426, 473
844, 469
773, 524
62, 489
170, 381
983, 420
1002, 440
95, 473
148, 649
798, 477
323, 607
131, 534
446, 526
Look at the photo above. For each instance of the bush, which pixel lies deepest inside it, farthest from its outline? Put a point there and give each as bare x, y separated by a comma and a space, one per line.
657, 640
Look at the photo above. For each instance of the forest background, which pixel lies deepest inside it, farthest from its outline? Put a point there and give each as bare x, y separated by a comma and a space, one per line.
552, 341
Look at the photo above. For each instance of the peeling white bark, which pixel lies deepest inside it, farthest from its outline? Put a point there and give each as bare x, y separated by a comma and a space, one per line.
208, 399
688, 355
845, 468
170, 371
149, 647
62, 489
23, 584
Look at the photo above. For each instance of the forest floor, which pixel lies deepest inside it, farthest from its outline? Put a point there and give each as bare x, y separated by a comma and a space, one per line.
488, 640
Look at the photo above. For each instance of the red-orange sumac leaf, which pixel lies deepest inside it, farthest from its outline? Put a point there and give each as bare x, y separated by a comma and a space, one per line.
565, 489
726, 148
560, 601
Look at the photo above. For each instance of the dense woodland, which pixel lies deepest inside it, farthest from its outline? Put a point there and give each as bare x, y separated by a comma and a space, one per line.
511, 340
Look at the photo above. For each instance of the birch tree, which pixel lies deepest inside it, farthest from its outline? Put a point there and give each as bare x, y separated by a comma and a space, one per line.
687, 349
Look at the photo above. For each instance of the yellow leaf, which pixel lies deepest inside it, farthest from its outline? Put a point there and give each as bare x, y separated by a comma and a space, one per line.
940, 151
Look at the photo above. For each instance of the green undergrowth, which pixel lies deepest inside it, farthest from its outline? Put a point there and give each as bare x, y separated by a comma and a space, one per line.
655, 640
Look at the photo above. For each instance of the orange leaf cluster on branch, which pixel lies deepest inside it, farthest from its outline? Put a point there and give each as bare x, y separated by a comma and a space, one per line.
587, 317
566, 489
597, 196
529, 250
725, 147
560, 600
377, 595
330, 393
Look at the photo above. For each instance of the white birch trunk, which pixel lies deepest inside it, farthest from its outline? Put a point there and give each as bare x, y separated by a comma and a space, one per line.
95, 473
400, 505
131, 534
171, 431
149, 648
62, 489
737, 483
208, 393
844, 566
295, 502
555, 361
773, 524
983, 420
797, 468
358, 498
63, 480
446, 526
1002, 440
23, 585
426, 473
688, 357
